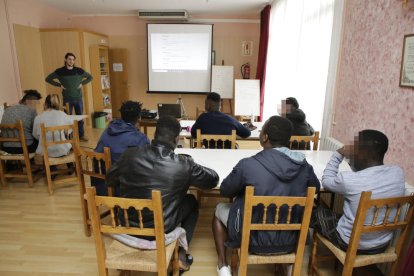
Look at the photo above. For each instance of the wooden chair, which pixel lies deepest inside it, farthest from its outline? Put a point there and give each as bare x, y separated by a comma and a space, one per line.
92, 164
350, 259
59, 133
25, 157
294, 258
199, 111
119, 256
65, 108
213, 140
300, 142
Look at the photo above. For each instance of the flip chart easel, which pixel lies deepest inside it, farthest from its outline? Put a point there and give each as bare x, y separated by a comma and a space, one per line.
222, 83
247, 97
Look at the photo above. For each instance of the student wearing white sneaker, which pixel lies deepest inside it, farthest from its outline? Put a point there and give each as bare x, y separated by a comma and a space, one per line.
275, 171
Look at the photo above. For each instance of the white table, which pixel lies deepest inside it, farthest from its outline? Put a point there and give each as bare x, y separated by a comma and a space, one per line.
78, 117
223, 160
189, 123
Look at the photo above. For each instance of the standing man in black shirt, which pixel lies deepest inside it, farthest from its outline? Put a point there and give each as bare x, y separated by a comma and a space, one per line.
70, 79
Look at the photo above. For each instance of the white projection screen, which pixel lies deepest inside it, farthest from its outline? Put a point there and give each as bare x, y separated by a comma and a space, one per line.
179, 58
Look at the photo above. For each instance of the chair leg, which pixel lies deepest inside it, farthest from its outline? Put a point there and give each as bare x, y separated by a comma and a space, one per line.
2, 173
85, 217
29, 172
49, 179
347, 269
312, 259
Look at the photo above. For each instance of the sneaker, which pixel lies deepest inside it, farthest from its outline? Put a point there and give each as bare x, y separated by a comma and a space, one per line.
224, 271
84, 138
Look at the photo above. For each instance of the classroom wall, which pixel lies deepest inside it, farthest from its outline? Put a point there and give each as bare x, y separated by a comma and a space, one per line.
129, 32
368, 92
26, 13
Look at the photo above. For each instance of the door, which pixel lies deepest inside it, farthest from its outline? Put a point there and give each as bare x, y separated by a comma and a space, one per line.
118, 61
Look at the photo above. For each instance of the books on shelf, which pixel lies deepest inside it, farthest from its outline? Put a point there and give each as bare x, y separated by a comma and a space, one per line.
106, 100
105, 82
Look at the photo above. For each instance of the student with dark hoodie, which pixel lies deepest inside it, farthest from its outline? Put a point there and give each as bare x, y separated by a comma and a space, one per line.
121, 134
275, 171
291, 111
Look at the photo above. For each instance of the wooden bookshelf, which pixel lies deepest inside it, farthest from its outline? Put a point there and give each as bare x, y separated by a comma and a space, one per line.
101, 85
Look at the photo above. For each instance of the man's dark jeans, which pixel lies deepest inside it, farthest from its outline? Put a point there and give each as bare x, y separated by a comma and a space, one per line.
78, 106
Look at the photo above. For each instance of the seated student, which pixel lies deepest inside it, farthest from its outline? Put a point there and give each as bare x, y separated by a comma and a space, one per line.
369, 173
52, 116
121, 134
215, 122
291, 111
139, 170
25, 111
275, 171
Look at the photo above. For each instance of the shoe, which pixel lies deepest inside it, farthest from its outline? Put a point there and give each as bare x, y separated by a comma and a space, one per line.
189, 258
84, 138
224, 271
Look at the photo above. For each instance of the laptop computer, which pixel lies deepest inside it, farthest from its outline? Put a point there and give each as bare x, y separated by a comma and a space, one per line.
169, 109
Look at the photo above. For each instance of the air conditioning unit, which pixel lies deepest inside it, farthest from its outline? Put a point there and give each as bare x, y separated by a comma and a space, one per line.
163, 14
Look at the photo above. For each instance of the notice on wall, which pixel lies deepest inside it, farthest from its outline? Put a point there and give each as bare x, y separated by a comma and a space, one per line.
222, 81
247, 97
117, 67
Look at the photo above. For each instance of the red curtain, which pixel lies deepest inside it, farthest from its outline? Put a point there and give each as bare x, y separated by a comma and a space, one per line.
261, 61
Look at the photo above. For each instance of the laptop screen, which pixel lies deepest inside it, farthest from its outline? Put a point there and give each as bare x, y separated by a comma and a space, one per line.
169, 109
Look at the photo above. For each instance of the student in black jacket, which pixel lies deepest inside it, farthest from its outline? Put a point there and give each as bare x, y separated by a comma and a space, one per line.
275, 171
140, 170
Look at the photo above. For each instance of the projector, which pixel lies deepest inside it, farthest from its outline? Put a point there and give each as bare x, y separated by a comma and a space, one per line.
148, 114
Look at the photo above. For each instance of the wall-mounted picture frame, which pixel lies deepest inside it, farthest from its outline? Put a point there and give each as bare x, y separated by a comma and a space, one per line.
407, 62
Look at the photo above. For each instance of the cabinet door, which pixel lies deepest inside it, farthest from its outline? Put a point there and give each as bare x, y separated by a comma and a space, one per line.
118, 59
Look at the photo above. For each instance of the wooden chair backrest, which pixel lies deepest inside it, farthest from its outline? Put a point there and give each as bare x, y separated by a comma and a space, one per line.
215, 138
381, 221
297, 141
13, 133
116, 204
60, 135
93, 163
278, 202
65, 108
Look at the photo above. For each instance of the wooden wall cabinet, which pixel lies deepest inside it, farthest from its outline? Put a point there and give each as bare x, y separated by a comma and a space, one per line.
56, 43
101, 85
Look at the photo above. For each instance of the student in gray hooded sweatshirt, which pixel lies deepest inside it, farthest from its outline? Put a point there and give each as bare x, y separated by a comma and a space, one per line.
369, 173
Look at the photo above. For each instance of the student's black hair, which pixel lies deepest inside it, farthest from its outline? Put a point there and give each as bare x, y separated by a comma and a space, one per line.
30, 94
213, 96
292, 101
130, 111
69, 54
278, 130
167, 129
374, 141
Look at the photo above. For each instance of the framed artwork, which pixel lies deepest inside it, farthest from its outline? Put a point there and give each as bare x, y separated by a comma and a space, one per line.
407, 63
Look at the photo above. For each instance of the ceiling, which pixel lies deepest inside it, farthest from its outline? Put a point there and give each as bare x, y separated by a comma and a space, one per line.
128, 7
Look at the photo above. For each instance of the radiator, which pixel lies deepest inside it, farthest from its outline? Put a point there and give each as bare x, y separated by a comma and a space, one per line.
329, 143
